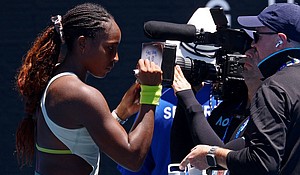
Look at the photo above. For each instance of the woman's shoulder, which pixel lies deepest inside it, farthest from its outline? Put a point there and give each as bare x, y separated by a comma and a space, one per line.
72, 88
70, 97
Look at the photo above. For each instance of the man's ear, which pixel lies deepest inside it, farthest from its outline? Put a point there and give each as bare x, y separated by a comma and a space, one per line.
282, 37
282, 41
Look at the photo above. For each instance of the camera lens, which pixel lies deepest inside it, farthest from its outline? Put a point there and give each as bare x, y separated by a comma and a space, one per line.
196, 71
185, 65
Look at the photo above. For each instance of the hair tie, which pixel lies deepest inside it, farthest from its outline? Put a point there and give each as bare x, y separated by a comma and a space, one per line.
58, 27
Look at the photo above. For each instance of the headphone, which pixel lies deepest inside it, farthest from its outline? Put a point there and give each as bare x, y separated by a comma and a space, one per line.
278, 43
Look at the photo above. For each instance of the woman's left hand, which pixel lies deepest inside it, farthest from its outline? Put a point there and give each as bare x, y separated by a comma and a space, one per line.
129, 104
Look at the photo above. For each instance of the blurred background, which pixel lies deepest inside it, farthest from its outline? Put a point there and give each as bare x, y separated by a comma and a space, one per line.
22, 20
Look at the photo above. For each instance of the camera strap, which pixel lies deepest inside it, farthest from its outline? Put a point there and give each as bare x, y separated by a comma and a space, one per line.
199, 50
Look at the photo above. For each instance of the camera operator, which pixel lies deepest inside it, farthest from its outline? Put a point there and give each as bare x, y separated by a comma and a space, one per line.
272, 134
202, 131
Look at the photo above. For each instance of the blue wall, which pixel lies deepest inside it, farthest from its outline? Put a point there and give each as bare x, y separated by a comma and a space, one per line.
21, 21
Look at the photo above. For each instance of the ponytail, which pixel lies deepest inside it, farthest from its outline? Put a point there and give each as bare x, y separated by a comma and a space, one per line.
32, 78
25, 141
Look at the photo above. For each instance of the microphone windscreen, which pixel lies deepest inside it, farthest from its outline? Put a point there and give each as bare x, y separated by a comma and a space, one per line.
170, 31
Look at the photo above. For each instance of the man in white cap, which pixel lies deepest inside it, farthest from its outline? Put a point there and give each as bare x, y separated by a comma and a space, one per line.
272, 136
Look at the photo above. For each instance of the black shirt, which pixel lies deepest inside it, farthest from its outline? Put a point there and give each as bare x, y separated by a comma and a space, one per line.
272, 135
272, 143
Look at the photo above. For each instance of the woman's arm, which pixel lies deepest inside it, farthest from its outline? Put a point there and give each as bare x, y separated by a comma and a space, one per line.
128, 150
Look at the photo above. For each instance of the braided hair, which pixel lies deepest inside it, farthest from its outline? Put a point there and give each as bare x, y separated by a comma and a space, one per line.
39, 64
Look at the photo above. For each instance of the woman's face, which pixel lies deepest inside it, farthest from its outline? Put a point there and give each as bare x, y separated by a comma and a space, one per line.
103, 51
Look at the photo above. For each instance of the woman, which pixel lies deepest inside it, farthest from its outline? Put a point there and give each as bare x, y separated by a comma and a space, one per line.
67, 120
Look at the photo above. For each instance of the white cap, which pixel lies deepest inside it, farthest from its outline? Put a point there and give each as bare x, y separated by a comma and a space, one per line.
201, 19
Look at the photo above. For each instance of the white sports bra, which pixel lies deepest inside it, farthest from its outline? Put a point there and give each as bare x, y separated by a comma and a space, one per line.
78, 141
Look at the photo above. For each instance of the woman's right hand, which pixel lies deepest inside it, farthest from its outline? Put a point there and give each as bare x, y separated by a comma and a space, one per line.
179, 82
149, 73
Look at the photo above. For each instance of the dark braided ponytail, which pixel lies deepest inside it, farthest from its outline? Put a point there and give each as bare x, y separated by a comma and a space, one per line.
39, 63
32, 79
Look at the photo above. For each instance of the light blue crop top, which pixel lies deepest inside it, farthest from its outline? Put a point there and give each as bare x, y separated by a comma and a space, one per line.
79, 140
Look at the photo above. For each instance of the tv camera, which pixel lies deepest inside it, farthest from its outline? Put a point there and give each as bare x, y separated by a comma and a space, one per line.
225, 75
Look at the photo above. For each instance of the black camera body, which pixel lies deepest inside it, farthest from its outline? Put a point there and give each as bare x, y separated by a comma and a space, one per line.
230, 40
226, 74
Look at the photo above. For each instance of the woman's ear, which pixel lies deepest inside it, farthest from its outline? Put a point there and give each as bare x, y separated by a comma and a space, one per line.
81, 43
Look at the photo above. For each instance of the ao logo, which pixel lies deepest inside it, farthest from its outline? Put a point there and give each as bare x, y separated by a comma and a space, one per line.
224, 4
222, 122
